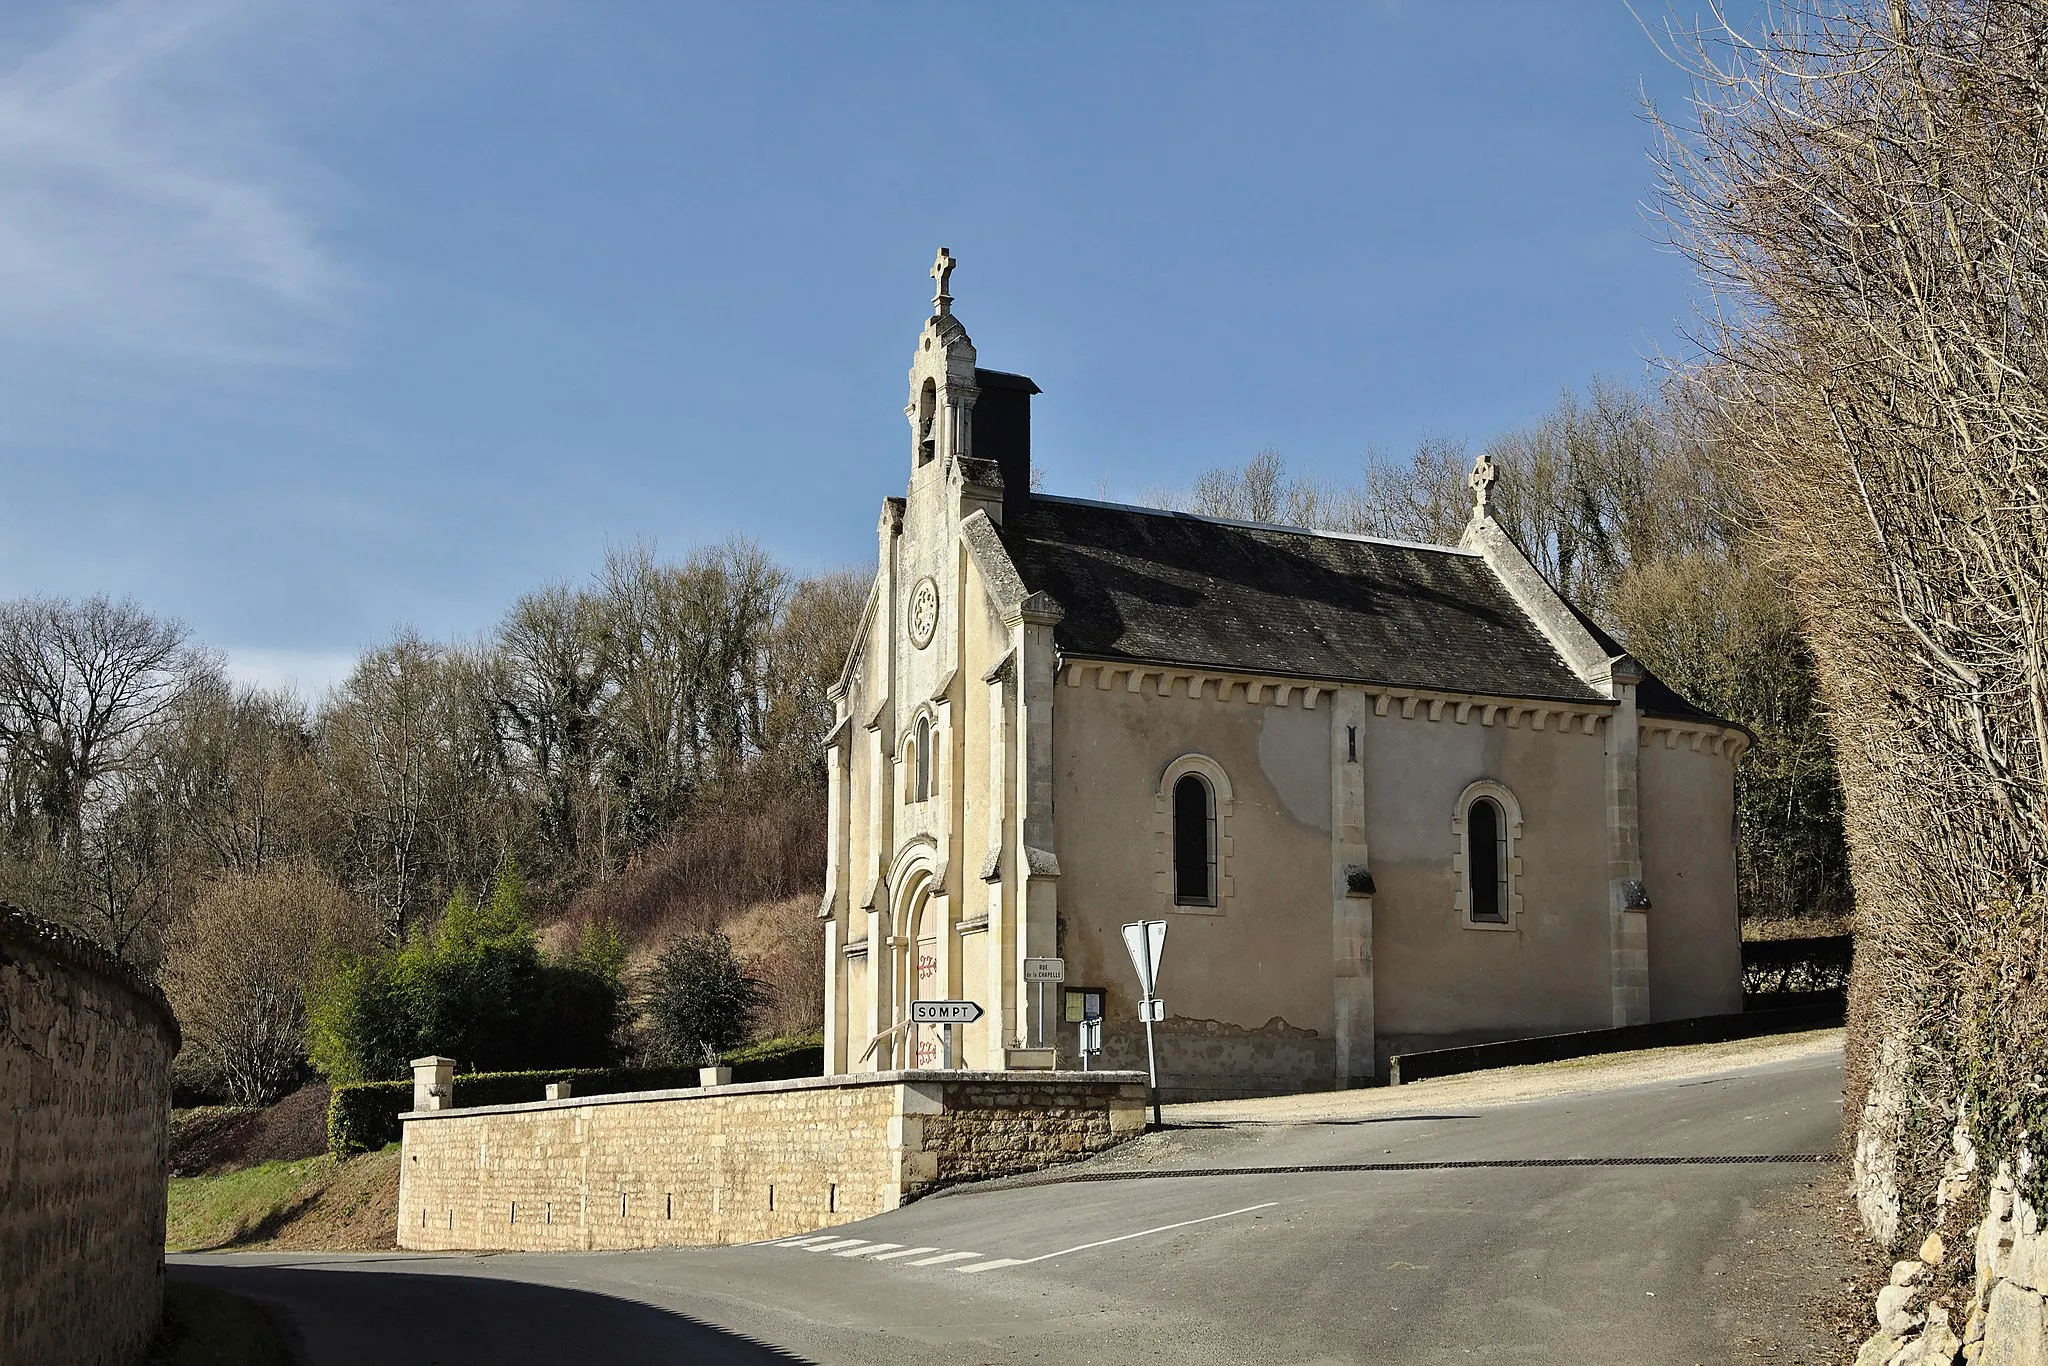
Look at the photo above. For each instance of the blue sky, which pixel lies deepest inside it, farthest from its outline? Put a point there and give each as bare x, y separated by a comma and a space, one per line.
320, 320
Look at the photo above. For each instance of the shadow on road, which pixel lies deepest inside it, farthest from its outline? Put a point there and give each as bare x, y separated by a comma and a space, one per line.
1325, 1123
346, 1313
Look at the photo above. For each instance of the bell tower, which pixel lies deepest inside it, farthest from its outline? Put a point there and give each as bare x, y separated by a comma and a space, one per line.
942, 385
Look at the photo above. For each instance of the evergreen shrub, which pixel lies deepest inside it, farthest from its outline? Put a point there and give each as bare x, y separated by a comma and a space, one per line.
363, 1116
478, 989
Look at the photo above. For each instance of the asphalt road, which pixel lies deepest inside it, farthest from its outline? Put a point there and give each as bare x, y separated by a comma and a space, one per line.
1497, 1263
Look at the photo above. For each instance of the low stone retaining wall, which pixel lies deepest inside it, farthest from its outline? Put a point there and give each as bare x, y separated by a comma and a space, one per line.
85, 1058
1977, 1297
732, 1164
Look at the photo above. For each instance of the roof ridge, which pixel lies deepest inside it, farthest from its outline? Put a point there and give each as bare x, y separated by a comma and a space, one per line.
1256, 526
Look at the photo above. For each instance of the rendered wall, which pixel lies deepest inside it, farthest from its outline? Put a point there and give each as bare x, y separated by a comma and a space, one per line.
85, 1055
1687, 815
1437, 982
737, 1164
1247, 982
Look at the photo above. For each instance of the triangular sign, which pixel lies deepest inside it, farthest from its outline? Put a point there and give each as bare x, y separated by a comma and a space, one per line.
1145, 940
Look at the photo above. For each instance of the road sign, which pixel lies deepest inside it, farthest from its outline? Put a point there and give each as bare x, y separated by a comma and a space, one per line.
1146, 939
1045, 969
944, 1012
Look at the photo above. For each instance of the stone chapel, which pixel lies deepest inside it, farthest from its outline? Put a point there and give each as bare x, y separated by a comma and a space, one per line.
1387, 796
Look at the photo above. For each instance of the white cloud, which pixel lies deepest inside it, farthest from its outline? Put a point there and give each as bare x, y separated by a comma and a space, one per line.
147, 205
310, 673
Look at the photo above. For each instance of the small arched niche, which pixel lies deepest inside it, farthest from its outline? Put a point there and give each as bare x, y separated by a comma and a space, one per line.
927, 422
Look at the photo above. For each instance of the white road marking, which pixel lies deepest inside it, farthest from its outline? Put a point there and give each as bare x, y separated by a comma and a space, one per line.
1121, 1238
991, 1264
889, 1252
798, 1242
870, 1250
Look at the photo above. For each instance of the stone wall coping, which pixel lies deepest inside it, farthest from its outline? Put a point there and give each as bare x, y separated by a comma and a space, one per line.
846, 1081
75, 950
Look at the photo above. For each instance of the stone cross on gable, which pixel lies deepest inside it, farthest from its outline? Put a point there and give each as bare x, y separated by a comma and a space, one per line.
1484, 473
942, 271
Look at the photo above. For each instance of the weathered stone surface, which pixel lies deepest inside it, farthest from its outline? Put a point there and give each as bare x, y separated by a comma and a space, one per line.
1895, 1313
1935, 1345
739, 1163
1908, 1273
85, 1054
2026, 1263
2013, 1330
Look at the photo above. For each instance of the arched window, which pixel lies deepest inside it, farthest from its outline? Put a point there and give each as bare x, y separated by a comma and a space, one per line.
1194, 842
1487, 872
1488, 823
927, 419
921, 783
1191, 817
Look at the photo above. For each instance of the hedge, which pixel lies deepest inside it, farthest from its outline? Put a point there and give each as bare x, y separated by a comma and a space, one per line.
363, 1115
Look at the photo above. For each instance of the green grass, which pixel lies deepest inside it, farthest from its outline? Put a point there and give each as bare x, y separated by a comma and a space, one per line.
215, 1211
775, 1047
208, 1327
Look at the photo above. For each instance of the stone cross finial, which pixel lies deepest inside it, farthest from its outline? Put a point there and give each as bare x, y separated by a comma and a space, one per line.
942, 271
1484, 473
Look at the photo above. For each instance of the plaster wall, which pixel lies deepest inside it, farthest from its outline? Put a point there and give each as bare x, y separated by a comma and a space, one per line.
1437, 982
1247, 983
1687, 820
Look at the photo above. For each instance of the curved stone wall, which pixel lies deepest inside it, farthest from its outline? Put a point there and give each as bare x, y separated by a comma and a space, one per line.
85, 1058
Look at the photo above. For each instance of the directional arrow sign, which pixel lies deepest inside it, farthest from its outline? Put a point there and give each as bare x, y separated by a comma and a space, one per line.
1146, 939
944, 1012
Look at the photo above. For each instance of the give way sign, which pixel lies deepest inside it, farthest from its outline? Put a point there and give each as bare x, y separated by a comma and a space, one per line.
1146, 939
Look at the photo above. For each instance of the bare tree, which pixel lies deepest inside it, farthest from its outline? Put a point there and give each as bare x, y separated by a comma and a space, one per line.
410, 758
83, 688
239, 767
80, 686
552, 686
1861, 186
237, 966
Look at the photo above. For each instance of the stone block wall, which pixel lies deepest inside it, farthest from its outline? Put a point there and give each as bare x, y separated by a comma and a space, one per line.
85, 1056
733, 1164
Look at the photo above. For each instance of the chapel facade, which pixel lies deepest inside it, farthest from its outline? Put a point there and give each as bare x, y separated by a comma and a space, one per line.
1387, 796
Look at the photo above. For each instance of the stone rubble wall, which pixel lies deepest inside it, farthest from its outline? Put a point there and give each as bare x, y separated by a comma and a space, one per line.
732, 1164
2002, 1317
85, 1057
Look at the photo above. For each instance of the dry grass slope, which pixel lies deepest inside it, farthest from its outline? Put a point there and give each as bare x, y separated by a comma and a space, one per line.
317, 1202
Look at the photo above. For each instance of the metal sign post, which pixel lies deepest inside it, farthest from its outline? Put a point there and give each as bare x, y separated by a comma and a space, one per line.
947, 1014
1043, 971
1146, 939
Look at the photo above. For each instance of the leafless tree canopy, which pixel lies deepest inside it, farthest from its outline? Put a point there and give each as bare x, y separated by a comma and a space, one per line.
601, 728
236, 969
1862, 188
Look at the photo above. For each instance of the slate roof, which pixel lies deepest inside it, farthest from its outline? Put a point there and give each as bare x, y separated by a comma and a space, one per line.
1170, 588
